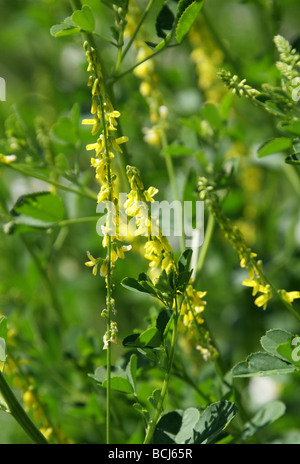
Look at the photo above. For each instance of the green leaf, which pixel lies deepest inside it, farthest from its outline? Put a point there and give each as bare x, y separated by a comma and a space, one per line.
132, 284
62, 30
154, 398
191, 427
290, 351
163, 320
84, 18
262, 365
164, 21
273, 339
190, 419
3, 338
213, 421
167, 428
187, 19
150, 338
273, 146
43, 206
182, 6
131, 371
268, 414
211, 114
119, 380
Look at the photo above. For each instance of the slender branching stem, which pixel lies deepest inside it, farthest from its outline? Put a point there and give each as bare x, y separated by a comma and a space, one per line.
19, 414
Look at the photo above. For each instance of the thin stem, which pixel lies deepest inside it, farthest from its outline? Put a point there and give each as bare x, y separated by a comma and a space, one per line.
132, 39
19, 414
105, 38
205, 247
164, 390
86, 194
108, 277
128, 71
69, 222
160, 405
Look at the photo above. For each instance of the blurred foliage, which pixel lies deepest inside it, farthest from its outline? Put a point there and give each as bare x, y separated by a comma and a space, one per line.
52, 302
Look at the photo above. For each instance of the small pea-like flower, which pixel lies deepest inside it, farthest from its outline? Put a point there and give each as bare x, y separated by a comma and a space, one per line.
290, 296
262, 300
150, 193
254, 283
152, 136
94, 263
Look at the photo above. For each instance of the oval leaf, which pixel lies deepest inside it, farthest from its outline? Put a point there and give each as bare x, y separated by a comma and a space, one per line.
187, 19
273, 146
84, 18
262, 365
43, 206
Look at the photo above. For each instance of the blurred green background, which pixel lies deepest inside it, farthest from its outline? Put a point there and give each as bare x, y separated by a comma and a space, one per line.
52, 301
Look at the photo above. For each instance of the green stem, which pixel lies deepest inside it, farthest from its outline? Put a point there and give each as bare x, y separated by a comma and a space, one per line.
108, 277
164, 390
86, 194
153, 55
19, 414
105, 38
132, 39
70, 222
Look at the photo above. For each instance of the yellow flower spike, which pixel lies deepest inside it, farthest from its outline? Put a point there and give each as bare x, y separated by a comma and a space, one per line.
290, 296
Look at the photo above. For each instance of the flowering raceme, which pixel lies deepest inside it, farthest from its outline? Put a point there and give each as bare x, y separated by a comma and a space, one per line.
104, 124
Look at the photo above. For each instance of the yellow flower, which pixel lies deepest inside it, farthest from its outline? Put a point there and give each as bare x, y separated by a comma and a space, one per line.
94, 262
104, 268
152, 136
290, 296
252, 283
29, 399
167, 264
263, 299
150, 193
